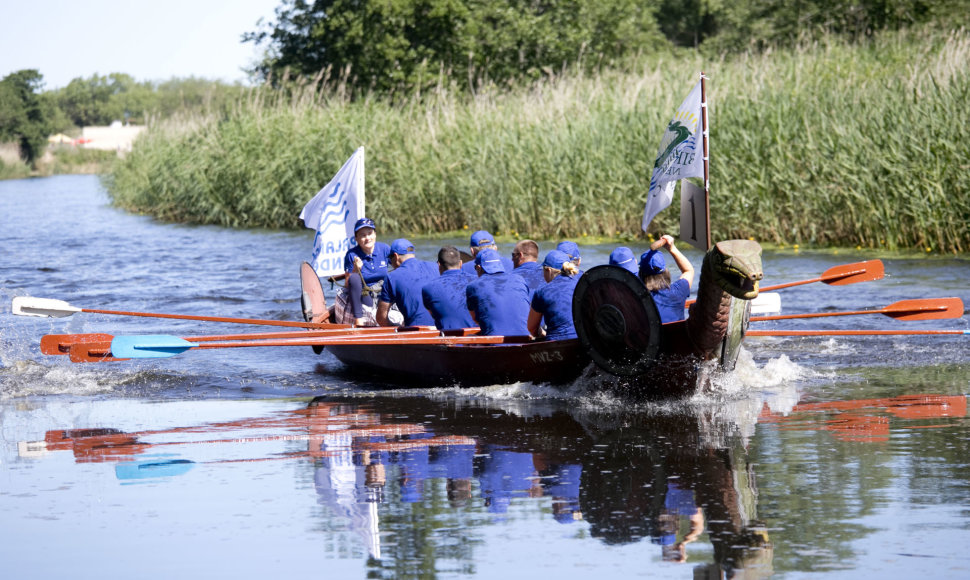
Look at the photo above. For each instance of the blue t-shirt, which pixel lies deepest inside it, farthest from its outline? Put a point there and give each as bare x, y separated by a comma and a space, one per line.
671, 301
555, 302
532, 272
500, 303
374, 265
402, 286
469, 267
444, 297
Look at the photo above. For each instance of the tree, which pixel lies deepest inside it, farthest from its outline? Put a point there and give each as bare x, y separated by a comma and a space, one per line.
25, 115
97, 100
389, 45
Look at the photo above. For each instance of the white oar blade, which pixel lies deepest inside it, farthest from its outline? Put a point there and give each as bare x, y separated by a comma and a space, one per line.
42, 307
766, 303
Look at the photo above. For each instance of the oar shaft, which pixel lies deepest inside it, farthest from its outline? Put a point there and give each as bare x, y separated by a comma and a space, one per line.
852, 332
431, 337
788, 285
259, 321
328, 332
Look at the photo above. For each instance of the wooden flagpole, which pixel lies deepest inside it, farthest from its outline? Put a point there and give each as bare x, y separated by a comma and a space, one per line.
707, 184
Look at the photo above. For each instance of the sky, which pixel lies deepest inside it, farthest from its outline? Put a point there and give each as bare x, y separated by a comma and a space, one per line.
151, 40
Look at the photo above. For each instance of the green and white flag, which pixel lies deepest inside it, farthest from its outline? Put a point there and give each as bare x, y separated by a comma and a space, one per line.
681, 155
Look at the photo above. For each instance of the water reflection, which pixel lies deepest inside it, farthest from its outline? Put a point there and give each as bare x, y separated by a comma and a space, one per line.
412, 476
868, 419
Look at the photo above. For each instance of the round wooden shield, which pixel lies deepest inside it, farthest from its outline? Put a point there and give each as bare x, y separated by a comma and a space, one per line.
616, 320
312, 299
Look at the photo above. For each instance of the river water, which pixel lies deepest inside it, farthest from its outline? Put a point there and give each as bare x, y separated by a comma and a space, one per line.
818, 457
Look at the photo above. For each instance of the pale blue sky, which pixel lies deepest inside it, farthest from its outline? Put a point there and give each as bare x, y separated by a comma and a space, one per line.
150, 40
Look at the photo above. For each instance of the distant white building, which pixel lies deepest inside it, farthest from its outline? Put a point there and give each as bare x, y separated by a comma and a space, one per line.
115, 137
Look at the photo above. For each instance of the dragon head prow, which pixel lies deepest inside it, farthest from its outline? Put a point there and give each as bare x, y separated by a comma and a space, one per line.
736, 267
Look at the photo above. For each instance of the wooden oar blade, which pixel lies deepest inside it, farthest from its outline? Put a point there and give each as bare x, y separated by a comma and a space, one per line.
41, 307
854, 273
61, 343
149, 346
925, 309
92, 352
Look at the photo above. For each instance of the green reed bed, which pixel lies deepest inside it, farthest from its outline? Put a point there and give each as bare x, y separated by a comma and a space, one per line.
828, 144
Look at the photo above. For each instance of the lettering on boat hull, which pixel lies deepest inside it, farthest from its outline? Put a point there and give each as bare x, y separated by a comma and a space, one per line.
547, 356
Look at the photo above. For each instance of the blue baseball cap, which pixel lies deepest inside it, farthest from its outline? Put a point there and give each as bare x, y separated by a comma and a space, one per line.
490, 261
364, 223
482, 238
624, 258
651, 263
555, 259
401, 246
570, 249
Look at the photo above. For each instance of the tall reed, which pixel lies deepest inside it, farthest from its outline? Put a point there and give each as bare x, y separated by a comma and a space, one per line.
828, 144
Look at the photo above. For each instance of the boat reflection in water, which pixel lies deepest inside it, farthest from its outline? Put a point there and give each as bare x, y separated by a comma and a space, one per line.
409, 475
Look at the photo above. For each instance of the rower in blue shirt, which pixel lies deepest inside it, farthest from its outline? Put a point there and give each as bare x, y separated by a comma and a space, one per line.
402, 286
624, 258
444, 297
482, 240
572, 252
498, 300
525, 258
670, 297
365, 265
554, 301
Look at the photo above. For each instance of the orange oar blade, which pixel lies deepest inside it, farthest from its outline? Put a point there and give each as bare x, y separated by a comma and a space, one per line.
92, 352
840, 275
61, 343
925, 309
853, 273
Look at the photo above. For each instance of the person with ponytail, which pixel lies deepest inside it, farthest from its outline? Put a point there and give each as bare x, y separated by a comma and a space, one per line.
670, 297
554, 301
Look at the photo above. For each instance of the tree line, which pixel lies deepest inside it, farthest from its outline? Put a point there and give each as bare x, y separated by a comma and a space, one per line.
394, 47
403, 45
29, 114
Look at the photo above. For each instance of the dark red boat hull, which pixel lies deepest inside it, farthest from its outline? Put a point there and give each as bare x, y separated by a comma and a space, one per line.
553, 362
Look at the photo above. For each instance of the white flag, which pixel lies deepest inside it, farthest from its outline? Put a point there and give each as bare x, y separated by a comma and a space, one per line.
332, 212
681, 155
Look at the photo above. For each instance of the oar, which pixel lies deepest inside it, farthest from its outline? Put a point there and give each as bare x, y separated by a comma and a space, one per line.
919, 309
51, 308
840, 275
852, 332
61, 343
835, 276
162, 346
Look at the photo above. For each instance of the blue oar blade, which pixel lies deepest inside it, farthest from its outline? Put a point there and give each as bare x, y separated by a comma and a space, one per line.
149, 346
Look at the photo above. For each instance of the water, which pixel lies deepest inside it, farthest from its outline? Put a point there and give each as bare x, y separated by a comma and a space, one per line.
830, 457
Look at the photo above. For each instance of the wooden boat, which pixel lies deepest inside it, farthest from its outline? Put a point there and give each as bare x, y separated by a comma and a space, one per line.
618, 326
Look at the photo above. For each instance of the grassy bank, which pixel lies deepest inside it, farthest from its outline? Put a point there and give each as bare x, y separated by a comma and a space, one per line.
57, 160
829, 144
